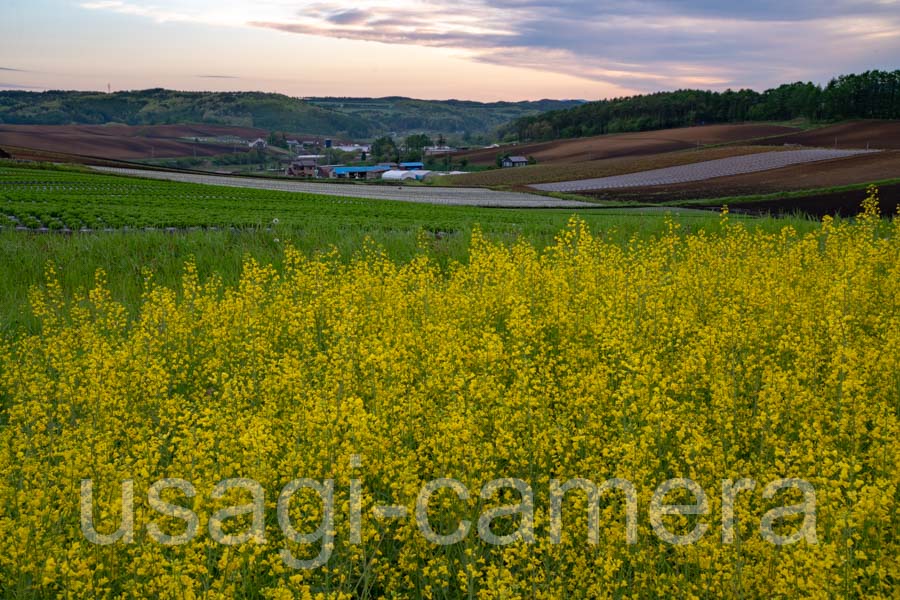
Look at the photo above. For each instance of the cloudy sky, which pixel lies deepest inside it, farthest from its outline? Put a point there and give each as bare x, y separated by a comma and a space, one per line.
474, 49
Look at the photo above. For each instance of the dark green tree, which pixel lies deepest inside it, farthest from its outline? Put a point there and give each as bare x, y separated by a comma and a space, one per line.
384, 149
414, 146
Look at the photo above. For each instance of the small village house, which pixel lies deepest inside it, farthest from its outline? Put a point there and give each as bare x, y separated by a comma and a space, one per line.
258, 144
303, 167
514, 161
325, 171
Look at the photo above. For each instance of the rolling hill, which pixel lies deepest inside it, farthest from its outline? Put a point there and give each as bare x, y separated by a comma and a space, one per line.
340, 117
869, 95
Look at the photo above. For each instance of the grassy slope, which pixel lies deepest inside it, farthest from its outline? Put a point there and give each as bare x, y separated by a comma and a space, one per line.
311, 223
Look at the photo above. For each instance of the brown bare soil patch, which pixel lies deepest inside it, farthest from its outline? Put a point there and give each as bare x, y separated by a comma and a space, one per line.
845, 204
628, 144
123, 141
856, 134
30, 154
833, 173
549, 173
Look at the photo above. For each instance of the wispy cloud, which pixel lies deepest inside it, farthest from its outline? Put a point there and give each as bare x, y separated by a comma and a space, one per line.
10, 70
634, 44
218, 77
18, 86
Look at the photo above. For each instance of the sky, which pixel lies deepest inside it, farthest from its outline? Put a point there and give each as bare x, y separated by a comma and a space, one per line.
468, 49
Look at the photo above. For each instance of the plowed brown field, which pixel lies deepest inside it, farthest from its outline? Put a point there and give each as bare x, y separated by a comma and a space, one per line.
846, 204
123, 141
860, 169
856, 134
628, 144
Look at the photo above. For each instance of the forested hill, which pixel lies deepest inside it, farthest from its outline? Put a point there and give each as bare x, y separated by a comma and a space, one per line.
349, 117
871, 95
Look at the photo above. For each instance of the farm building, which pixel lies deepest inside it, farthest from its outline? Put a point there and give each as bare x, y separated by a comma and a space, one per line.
303, 167
358, 172
514, 161
438, 150
411, 166
324, 172
258, 144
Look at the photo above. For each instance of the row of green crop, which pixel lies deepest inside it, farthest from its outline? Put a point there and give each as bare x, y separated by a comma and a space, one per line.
263, 222
76, 200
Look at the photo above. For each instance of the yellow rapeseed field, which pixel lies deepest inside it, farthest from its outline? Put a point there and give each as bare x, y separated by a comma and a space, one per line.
721, 355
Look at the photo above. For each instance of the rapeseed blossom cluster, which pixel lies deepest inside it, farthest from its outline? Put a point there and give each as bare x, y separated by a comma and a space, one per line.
712, 356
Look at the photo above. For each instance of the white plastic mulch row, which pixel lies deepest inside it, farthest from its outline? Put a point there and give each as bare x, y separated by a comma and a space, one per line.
724, 167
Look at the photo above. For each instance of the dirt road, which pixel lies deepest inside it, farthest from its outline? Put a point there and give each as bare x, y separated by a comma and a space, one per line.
424, 195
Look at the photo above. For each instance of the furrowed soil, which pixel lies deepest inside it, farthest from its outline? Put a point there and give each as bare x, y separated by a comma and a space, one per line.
826, 174
124, 141
628, 144
846, 204
883, 135
610, 167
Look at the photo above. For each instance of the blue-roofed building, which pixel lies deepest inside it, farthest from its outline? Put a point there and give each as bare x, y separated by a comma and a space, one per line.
358, 172
411, 166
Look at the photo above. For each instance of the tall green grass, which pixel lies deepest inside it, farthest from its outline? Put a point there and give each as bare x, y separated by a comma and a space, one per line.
123, 255
254, 223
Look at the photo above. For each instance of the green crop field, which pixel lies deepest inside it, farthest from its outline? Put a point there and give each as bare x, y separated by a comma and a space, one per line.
128, 220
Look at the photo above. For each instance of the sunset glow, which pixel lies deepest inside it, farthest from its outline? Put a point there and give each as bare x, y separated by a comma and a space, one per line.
471, 49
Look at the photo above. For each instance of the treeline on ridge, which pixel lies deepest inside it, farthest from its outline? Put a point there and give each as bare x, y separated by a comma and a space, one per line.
870, 95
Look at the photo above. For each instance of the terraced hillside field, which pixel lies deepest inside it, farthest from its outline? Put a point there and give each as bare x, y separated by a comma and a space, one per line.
883, 135
628, 144
126, 142
853, 171
548, 173
702, 171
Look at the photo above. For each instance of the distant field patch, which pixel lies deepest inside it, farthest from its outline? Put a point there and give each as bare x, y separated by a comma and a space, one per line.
702, 171
126, 142
853, 171
549, 173
884, 135
628, 144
